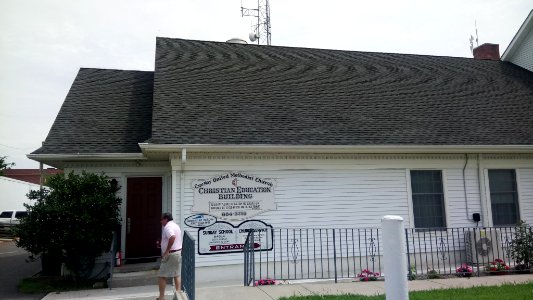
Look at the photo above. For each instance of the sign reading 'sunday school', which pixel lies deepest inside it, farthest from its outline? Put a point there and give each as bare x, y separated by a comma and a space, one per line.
234, 196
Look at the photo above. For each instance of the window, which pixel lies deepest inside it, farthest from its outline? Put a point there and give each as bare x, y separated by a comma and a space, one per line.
6, 214
503, 197
21, 214
428, 198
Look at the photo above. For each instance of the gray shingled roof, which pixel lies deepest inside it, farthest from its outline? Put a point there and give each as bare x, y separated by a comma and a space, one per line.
220, 93
105, 111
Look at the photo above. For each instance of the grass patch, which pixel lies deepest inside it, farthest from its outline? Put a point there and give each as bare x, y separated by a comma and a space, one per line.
44, 285
504, 292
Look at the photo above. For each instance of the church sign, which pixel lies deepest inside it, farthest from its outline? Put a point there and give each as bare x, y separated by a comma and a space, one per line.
233, 196
223, 237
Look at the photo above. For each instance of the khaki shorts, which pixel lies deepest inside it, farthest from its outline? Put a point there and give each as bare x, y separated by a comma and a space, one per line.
171, 265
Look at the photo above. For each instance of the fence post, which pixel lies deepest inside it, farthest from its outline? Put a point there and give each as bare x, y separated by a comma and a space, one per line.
408, 254
245, 251
334, 256
394, 258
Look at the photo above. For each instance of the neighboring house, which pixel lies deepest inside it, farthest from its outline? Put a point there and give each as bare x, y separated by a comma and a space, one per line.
31, 175
300, 137
520, 50
13, 193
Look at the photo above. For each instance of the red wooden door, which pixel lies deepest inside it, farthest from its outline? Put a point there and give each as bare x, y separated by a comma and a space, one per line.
143, 213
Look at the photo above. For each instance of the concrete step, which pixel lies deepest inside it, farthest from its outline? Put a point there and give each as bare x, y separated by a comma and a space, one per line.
130, 275
130, 279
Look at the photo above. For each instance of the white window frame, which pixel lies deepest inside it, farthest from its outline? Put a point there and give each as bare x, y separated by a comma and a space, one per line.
410, 195
489, 196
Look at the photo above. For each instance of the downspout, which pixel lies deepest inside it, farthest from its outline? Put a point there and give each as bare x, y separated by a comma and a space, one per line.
182, 186
464, 188
482, 196
41, 176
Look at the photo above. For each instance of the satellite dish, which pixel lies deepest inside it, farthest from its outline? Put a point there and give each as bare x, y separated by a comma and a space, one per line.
253, 36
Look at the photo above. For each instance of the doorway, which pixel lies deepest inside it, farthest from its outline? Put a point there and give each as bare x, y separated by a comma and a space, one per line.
143, 212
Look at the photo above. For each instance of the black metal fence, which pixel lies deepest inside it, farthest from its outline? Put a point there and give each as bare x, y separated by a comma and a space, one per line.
249, 259
341, 253
188, 265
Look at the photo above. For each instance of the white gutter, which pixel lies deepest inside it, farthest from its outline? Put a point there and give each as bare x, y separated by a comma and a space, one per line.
86, 156
154, 148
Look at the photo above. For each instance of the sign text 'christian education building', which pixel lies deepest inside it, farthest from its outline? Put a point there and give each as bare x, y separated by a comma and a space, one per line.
234, 196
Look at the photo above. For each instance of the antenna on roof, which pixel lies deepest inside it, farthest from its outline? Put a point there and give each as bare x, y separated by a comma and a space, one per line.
261, 29
477, 38
471, 39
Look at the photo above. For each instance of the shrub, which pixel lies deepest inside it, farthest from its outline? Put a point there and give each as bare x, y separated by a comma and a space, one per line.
73, 220
412, 273
521, 247
433, 275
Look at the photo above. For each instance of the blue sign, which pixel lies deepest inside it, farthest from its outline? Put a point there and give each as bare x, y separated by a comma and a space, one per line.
200, 220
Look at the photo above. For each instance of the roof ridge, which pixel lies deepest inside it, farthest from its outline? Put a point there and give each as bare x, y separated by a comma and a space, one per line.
119, 70
313, 48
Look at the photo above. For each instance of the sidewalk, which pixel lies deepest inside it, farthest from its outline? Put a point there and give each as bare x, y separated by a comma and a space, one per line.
287, 290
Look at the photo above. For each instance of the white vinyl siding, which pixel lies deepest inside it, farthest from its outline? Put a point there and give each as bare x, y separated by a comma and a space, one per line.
525, 191
458, 215
523, 56
323, 191
322, 199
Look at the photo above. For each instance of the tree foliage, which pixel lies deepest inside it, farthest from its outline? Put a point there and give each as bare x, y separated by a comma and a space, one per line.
72, 219
4, 165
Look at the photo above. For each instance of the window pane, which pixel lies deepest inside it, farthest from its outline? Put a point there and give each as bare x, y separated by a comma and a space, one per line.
503, 197
6, 214
502, 181
21, 214
428, 199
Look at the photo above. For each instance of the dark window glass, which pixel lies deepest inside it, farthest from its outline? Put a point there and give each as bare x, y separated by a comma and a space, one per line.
6, 214
503, 197
428, 199
21, 214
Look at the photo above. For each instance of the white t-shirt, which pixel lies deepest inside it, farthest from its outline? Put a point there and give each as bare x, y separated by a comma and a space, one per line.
168, 231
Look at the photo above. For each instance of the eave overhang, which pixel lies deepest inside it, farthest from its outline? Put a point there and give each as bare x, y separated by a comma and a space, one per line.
57, 160
152, 150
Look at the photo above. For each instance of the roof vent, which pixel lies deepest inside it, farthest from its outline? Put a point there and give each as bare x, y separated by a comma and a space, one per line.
236, 41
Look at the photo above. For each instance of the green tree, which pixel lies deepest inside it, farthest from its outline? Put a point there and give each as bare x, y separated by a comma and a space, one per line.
4, 165
72, 220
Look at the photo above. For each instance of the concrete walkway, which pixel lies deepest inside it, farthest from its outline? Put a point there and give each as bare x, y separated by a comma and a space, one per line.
287, 290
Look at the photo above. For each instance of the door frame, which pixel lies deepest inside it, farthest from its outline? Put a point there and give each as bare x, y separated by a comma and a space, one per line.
166, 201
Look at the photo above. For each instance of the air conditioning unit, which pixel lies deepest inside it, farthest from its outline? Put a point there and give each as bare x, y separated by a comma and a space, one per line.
483, 246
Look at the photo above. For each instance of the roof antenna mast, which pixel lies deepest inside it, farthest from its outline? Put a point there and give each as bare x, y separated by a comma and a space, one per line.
261, 29
472, 39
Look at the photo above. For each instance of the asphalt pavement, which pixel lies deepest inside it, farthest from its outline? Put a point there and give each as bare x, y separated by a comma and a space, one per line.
13, 268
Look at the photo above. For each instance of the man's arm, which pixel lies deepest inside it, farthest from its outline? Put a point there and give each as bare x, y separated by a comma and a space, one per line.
169, 246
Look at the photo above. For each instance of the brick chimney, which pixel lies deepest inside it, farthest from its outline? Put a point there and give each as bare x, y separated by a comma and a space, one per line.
487, 51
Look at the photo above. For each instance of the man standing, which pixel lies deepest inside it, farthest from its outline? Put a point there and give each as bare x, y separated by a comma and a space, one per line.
171, 242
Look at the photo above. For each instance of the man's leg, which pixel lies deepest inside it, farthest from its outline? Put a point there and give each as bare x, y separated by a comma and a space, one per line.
177, 283
162, 287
